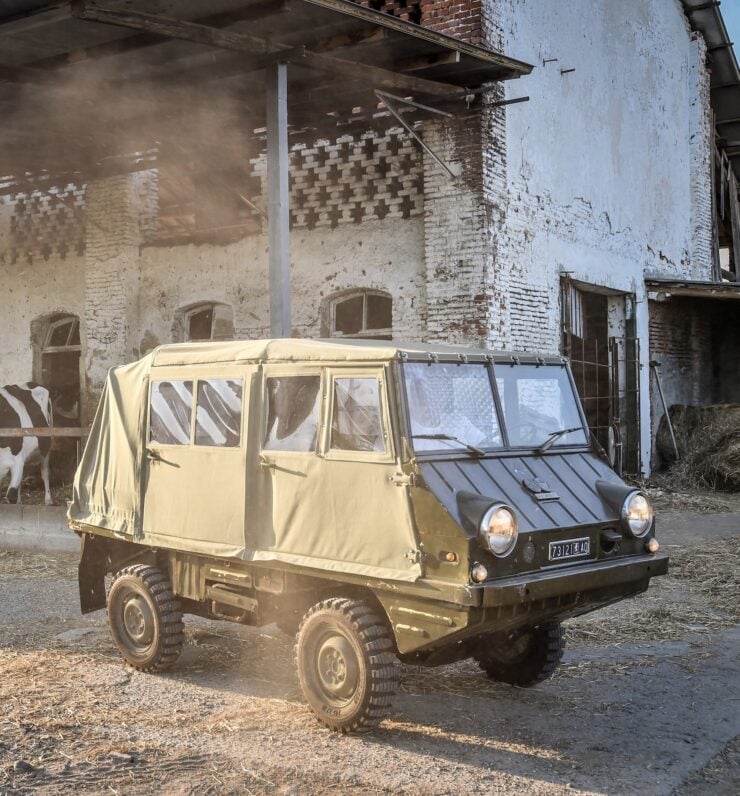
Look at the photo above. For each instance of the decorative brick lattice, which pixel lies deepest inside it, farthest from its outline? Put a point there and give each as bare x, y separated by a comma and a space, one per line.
354, 179
48, 224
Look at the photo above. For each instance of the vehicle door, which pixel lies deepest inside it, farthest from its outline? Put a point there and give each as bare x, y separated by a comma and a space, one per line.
194, 480
336, 498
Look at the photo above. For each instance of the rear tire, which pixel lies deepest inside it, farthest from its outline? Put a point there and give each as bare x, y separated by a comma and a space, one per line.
346, 664
523, 657
145, 618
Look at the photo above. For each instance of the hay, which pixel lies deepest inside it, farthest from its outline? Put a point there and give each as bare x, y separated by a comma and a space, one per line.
708, 440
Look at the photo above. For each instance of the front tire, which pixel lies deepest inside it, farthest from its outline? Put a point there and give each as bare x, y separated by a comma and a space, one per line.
523, 657
145, 618
346, 664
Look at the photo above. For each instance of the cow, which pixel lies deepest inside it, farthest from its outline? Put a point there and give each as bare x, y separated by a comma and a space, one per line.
24, 406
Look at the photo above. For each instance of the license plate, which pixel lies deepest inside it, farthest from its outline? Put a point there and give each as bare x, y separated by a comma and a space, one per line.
571, 548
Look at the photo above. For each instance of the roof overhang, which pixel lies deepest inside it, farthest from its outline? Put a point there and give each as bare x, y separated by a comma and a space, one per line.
87, 83
706, 290
706, 17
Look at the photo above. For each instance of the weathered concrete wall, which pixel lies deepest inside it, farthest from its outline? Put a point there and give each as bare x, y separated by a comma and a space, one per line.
39, 529
602, 174
386, 255
602, 161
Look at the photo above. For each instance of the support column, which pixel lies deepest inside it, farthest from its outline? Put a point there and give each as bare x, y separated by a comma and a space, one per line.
278, 198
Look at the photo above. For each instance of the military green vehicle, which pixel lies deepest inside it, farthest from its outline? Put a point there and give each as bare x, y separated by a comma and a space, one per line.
381, 501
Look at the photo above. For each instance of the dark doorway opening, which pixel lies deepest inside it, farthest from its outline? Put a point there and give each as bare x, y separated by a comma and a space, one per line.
599, 337
57, 349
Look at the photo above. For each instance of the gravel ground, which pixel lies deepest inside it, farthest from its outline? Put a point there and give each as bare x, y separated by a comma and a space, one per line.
646, 701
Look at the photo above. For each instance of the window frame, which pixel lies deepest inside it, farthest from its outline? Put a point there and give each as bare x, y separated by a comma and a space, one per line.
267, 454
381, 374
196, 392
364, 333
191, 445
73, 320
169, 445
202, 306
492, 362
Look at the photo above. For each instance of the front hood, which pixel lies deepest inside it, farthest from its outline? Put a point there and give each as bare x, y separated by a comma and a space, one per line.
546, 492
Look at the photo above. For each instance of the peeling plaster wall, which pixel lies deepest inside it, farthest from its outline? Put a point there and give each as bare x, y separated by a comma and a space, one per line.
386, 255
607, 166
29, 290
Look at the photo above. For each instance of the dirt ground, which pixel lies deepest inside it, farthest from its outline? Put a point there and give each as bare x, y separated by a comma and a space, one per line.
647, 700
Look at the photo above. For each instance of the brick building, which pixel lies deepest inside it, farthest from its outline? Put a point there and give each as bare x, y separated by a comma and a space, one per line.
584, 220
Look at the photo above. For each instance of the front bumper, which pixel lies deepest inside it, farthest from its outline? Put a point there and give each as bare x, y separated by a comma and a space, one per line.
572, 580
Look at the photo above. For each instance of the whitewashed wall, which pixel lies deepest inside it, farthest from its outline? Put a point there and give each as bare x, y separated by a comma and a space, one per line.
607, 166
386, 255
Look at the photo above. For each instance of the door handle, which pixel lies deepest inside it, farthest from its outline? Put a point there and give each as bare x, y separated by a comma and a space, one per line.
267, 463
153, 455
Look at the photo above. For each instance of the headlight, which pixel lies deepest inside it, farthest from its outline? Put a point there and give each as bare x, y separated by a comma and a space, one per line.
499, 529
637, 514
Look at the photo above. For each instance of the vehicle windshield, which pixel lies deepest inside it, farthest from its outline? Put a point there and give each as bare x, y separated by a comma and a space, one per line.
538, 402
452, 407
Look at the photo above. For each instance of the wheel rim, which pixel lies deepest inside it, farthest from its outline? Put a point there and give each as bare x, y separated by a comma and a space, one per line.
135, 623
337, 667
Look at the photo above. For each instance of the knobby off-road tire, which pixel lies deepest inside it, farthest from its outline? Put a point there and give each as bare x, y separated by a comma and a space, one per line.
145, 618
522, 658
346, 664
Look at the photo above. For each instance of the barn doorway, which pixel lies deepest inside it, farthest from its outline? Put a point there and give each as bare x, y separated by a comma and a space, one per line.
57, 352
599, 337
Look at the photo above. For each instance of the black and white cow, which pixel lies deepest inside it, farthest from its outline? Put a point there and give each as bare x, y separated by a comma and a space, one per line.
24, 406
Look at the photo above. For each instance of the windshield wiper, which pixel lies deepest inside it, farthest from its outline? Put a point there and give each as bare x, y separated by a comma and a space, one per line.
472, 448
554, 436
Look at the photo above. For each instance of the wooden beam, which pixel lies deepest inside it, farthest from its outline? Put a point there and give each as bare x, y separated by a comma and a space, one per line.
175, 29
46, 431
735, 223
255, 45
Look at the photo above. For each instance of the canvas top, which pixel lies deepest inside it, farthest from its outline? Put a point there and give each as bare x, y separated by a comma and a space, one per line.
299, 350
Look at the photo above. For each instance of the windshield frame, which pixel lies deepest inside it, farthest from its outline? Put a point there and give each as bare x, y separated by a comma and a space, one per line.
490, 362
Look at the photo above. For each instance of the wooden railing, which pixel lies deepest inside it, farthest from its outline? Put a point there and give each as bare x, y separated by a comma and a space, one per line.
56, 432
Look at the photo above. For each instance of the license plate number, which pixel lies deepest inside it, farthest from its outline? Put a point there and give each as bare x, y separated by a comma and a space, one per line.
571, 548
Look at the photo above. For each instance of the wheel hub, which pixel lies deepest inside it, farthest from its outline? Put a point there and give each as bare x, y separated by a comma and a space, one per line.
138, 620
337, 667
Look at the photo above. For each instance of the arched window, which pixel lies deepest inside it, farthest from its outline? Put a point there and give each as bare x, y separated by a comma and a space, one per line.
361, 313
62, 334
208, 321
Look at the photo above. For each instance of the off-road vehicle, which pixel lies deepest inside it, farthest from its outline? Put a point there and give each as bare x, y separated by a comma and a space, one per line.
380, 501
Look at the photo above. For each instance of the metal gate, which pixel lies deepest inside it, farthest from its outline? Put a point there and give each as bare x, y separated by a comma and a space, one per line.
606, 372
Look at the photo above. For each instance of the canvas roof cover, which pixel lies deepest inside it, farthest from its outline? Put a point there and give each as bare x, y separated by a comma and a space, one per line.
111, 483
329, 525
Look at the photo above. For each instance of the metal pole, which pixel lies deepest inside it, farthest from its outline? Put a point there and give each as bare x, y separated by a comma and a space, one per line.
278, 210
655, 365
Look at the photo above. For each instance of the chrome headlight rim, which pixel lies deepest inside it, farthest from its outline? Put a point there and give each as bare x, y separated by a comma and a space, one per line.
624, 514
486, 537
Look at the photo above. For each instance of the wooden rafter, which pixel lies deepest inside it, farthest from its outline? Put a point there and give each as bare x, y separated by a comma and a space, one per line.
258, 46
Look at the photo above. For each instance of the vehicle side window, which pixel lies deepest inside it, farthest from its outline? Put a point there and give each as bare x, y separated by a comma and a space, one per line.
218, 414
292, 413
171, 406
356, 423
